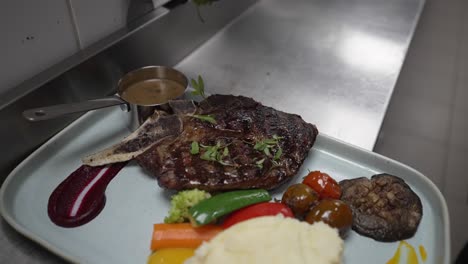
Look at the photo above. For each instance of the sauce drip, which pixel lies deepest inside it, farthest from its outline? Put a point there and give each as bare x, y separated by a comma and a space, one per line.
423, 253
152, 92
80, 197
411, 256
396, 258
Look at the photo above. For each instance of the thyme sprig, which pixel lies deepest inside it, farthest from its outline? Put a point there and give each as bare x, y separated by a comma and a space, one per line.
269, 145
199, 87
194, 148
206, 118
259, 163
217, 153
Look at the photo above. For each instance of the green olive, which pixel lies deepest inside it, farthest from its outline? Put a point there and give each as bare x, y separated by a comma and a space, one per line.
335, 213
300, 198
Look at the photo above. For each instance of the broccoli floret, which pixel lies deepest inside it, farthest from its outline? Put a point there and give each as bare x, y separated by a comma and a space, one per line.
182, 202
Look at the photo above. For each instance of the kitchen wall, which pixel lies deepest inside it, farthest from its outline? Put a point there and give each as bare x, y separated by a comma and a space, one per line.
38, 34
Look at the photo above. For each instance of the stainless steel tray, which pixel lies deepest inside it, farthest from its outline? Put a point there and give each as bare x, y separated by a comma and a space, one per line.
122, 232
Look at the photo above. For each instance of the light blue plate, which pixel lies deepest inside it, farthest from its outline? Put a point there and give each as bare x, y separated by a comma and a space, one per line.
122, 232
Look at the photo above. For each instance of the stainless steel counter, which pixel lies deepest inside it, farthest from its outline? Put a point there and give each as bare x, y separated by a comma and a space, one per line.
333, 62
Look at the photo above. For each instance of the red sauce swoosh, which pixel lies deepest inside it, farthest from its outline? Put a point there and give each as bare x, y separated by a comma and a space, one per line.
81, 196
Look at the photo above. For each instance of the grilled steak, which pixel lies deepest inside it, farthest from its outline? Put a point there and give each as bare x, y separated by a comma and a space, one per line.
231, 142
384, 207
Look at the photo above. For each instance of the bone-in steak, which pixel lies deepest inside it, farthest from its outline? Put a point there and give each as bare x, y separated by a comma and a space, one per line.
248, 146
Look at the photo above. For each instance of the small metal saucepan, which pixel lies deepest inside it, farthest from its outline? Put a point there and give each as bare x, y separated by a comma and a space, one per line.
138, 92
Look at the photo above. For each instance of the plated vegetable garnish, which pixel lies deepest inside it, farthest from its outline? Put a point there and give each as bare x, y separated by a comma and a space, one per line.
182, 202
181, 235
257, 210
300, 198
385, 208
383, 196
319, 200
171, 256
323, 184
334, 213
209, 210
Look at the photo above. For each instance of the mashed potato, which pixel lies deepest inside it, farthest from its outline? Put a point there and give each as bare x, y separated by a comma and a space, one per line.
272, 239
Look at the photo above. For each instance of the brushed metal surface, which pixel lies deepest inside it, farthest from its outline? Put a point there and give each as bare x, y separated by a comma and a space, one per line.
333, 62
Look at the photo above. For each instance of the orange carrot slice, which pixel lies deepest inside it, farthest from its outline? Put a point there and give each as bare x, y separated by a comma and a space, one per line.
181, 235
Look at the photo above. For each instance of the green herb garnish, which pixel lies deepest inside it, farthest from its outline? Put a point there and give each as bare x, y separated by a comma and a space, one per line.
215, 153
225, 152
259, 163
199, 87
194, 148
270, 145
207, 118
278, 153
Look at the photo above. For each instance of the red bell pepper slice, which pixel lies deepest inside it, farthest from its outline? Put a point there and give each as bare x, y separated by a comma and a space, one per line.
257, 210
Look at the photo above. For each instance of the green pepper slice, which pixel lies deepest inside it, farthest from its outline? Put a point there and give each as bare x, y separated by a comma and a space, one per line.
212, 208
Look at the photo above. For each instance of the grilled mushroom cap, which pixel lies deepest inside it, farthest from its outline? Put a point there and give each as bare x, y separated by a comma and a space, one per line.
384, 207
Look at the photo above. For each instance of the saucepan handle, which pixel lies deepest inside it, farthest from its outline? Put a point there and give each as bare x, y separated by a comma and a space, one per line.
49, 112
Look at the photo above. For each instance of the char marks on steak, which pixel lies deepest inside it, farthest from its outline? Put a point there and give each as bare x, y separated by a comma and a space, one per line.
240, 123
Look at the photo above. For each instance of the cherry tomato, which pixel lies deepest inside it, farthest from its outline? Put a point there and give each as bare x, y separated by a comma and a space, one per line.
300, 198
323, 184
335, 213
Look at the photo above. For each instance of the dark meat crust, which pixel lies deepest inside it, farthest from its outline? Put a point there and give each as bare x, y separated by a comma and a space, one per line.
240, 122
384, 207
